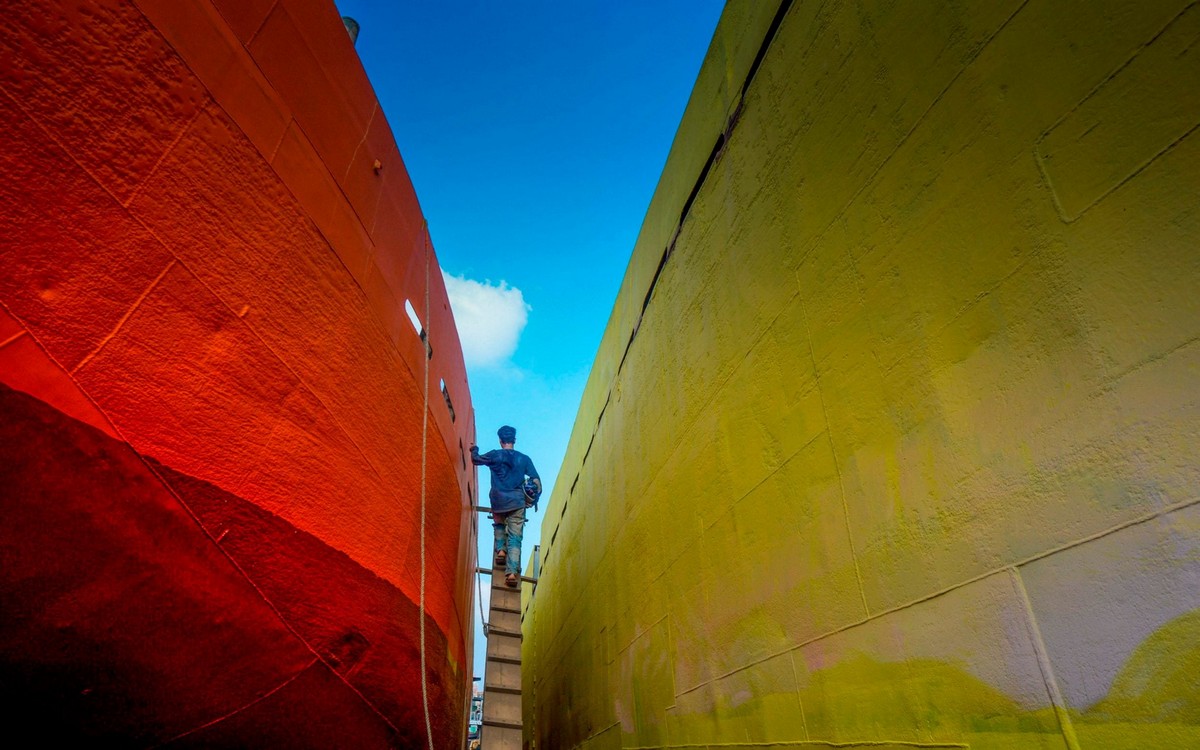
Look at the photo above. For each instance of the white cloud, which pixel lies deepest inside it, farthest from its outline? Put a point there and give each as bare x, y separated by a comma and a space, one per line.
490, 319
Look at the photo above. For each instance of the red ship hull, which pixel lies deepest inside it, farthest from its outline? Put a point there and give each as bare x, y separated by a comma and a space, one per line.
236, 507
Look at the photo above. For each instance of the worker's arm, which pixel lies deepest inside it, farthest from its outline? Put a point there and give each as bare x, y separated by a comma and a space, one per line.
478, 460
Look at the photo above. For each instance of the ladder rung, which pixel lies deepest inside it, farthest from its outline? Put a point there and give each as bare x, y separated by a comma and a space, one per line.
501, 631
501, 724
500, 570
503, 587
498, 608
504, 660
498, 689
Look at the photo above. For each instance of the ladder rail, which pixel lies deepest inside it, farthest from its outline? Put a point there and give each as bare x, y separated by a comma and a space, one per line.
502, 727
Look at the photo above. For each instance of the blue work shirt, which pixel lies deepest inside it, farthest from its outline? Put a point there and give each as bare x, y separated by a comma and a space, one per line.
509, 469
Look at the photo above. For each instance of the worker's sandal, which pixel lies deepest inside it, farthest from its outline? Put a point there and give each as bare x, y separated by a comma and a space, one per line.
511, 580
501, 558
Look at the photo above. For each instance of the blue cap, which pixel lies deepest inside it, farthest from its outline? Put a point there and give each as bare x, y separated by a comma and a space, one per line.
507, 434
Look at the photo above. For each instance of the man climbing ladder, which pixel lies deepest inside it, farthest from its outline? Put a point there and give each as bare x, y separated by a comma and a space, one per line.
511, 494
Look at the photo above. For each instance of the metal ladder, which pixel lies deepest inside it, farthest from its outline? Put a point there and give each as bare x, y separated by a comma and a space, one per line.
502, 727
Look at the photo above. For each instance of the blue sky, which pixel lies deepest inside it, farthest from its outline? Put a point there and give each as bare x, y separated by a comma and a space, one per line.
535, 133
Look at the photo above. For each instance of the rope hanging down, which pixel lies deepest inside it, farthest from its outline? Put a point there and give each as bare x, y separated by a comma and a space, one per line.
424, 452
479, 590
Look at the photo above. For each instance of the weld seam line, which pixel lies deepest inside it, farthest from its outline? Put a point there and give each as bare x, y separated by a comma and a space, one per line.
810, 743
916, 125
799, 700
1042, 655
261, 24
196, 519
13, 338
137, 303
720, 386
245, 707
718, 149
852, 199
1117, 70
1166, 510
66, 152
171, 146
258, 590
292, 122
862, 592
116, 199
175, 260
361, 141
301, 383
1037, 146
1142, 167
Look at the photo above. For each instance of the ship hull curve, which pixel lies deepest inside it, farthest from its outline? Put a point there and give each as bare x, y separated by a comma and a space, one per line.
223, 439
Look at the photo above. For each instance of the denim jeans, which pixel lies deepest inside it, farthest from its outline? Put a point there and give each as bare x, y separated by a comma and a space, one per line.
508, 528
